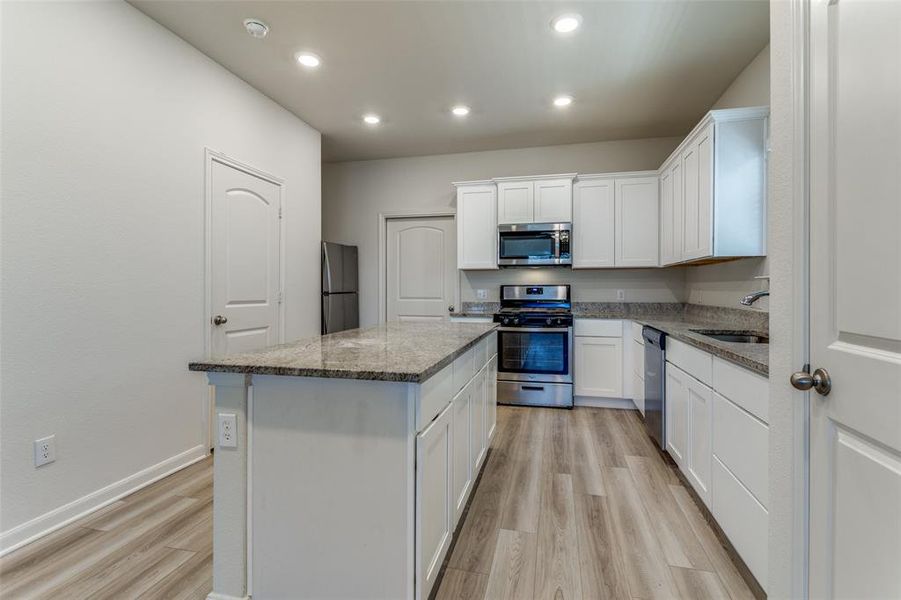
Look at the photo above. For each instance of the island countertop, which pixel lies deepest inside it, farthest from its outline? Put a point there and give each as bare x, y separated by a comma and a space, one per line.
408, 352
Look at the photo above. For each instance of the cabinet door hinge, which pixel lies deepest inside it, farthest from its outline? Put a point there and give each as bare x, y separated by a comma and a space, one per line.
279, 212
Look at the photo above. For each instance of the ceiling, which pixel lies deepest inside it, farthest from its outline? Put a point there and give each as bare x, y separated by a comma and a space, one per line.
636, 69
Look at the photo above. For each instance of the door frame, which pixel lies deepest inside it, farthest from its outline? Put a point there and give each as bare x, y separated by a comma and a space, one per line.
789, 243
383, 219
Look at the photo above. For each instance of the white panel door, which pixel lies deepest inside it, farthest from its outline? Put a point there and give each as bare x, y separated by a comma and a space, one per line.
637, 230
553, 200
515, 202
594, 222
855, 299
697, 164
598, 367
477, 227
677, 414
434, 499
244, 260
700, 419
422, 268
462, 409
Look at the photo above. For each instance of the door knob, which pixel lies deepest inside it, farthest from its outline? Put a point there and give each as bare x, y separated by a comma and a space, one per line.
450, 308
820, 381
220, 320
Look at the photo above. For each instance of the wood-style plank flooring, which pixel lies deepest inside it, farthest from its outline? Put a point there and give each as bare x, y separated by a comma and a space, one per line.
580, 504
155, 543
571, 504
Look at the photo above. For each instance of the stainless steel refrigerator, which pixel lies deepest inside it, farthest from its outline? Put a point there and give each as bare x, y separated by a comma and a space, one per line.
340, 304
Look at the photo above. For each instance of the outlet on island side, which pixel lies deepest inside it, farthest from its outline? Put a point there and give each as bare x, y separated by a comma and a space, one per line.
228, 430
44, 450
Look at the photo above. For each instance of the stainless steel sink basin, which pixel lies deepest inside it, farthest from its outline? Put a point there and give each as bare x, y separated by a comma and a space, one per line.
739, 337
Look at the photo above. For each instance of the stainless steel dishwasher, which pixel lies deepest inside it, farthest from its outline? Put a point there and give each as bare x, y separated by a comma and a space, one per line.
655, 384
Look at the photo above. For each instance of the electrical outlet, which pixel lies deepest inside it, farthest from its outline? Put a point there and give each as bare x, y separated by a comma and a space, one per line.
482, 294
228, 430
620, 294
44, 450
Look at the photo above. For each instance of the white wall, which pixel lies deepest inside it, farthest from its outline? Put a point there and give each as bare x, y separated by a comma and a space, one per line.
354, 193
105, 119
725, 283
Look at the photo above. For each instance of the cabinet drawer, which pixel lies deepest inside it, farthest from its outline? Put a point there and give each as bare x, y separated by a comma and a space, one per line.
636, 332
598, 327
742, 518
464, 369
748, 390
742, 444
434, 394
696, 363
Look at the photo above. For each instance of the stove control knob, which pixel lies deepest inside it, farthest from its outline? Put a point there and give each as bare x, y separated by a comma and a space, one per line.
559, 321
516, 320
549, 320
505, 320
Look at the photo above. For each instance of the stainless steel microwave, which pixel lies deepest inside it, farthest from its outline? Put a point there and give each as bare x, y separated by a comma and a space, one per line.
531, 244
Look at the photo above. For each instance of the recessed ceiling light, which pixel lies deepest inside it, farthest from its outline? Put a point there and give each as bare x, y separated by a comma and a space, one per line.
561, 101
308, 59
256, 28
371, 119
460, 110
566, 23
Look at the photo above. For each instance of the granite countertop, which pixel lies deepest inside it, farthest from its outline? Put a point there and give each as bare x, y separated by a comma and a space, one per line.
401, 351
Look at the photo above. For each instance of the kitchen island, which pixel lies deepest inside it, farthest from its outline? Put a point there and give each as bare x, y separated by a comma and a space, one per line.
354, 455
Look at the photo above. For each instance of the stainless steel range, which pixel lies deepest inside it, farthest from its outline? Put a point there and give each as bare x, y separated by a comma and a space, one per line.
535, 346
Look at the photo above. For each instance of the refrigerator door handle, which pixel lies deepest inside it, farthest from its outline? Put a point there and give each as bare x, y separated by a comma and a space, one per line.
327, 268
325, 301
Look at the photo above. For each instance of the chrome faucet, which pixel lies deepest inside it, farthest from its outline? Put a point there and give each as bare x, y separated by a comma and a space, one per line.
754, 297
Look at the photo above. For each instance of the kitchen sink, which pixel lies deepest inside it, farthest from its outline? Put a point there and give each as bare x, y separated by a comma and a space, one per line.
740, 337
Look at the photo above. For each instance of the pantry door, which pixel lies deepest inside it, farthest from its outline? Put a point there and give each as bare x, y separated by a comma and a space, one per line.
421, 268
855, 327
244, 258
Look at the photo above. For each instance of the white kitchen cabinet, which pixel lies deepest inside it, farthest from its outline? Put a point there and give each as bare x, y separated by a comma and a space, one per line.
491, 402
478, 438
677, 415
553, 200
713, 189
637, 374
434, 498
699, 401
594, 223
515, 202
671, 213
463, 463
539, 199
637, 214
476, 225
598, 369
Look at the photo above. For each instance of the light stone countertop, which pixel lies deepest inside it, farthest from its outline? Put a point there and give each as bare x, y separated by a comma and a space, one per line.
401, 351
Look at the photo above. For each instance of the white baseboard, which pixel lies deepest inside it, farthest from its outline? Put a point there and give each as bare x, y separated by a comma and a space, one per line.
622, 403
217, 596
57, 518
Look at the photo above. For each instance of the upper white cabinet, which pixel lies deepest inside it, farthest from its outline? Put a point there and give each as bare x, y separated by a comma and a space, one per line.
476, 225
636, 222
546, 199
615, 220
713, 189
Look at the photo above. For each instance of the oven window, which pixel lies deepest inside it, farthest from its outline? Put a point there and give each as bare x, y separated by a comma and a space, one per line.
526, 245
533, 352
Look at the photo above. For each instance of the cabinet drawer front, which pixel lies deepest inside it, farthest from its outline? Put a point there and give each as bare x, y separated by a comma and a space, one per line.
742, 443
434, 394
742, 518
598, 327
748, 390
464, 369
696, 363
636, 332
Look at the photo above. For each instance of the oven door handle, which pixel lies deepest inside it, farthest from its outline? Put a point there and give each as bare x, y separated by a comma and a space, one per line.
536, 329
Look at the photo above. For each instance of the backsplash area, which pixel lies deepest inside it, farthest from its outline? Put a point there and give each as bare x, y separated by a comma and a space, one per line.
595, 285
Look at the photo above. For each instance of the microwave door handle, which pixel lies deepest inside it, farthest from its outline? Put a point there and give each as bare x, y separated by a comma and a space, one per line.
556, 244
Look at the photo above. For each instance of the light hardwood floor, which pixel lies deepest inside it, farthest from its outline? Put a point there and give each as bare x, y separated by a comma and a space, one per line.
571, 504
155, 543
580, 504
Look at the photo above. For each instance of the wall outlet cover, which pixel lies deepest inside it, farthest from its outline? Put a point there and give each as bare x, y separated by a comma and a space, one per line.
228, 430
482, 294
44, 450
620, 294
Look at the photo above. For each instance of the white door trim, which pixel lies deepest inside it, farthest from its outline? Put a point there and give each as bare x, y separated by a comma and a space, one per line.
384, 217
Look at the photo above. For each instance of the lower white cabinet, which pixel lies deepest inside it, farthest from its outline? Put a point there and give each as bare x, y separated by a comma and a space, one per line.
700, 418
479, 437
677, 414
434, 498
637, 348
491, 404
598, 368
463, 462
